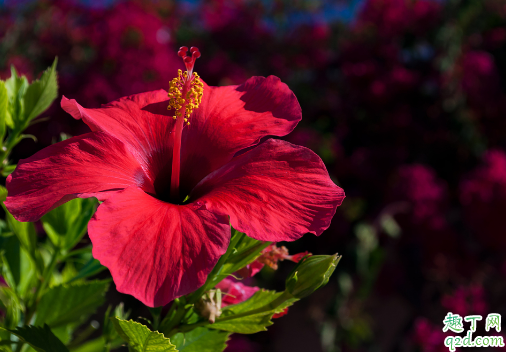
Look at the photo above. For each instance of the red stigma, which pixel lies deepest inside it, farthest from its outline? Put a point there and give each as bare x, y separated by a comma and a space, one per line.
189, 61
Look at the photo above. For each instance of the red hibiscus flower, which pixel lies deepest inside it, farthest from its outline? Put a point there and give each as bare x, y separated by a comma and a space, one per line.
171, 190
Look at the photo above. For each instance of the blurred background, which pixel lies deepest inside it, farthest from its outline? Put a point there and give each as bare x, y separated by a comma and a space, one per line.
404, 100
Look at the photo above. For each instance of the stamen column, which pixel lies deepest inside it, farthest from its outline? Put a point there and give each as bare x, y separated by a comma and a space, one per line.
185, 95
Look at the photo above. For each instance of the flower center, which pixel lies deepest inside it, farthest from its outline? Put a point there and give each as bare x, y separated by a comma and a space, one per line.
185, 93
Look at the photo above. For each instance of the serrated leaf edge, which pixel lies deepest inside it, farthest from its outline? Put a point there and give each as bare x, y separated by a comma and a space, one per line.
148, 338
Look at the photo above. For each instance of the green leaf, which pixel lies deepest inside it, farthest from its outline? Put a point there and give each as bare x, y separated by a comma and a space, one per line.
11, 307
10, 260
41, 339
16, 87
267, 301
4, 106
244, 252
66, 225
25, 232
98, 345
92, 267
108, 331
4, 348
201, 340
14, 83
140, 338
5, 231
3, 194
68, 303
27, 236
17, 268
7, 170
40, 94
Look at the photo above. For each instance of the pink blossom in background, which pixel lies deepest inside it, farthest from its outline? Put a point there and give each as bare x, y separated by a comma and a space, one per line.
427, 337
480, 79
466, 300
235, 292
122, 35
426, 15
22, 66
426, 194
389, 17
240, 343
483, 198
392, 18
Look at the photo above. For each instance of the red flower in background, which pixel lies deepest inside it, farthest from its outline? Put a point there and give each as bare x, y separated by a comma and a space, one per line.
483, 197
121, 36
419, 185
158, 250
270, 256
235, 292
480, 79
427, 337
466, 300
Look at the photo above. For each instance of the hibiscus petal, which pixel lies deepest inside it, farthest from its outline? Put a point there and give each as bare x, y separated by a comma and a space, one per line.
88, 165
141, 121
274, 192
232, 118
156, 251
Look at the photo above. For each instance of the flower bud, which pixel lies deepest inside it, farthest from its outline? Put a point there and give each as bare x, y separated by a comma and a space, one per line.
310, 274
209, 305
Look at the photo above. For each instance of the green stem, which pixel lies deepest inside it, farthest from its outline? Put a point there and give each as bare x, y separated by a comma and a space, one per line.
19, 346
250, 254
11, 142
90, 329
155, 313
167, 319
180, 313
41, 286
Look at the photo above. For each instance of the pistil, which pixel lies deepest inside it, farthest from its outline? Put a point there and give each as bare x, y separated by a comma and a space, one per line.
185, 95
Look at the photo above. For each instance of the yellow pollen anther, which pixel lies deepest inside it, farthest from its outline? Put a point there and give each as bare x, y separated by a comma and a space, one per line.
193, 96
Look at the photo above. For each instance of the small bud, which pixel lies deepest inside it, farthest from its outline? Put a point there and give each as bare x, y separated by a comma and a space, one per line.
209, 305
310, 274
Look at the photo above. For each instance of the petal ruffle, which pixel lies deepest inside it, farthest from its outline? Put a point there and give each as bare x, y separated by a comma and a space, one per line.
228, 120
275, 192
232, 118
141, 121
92, 164
156, 251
